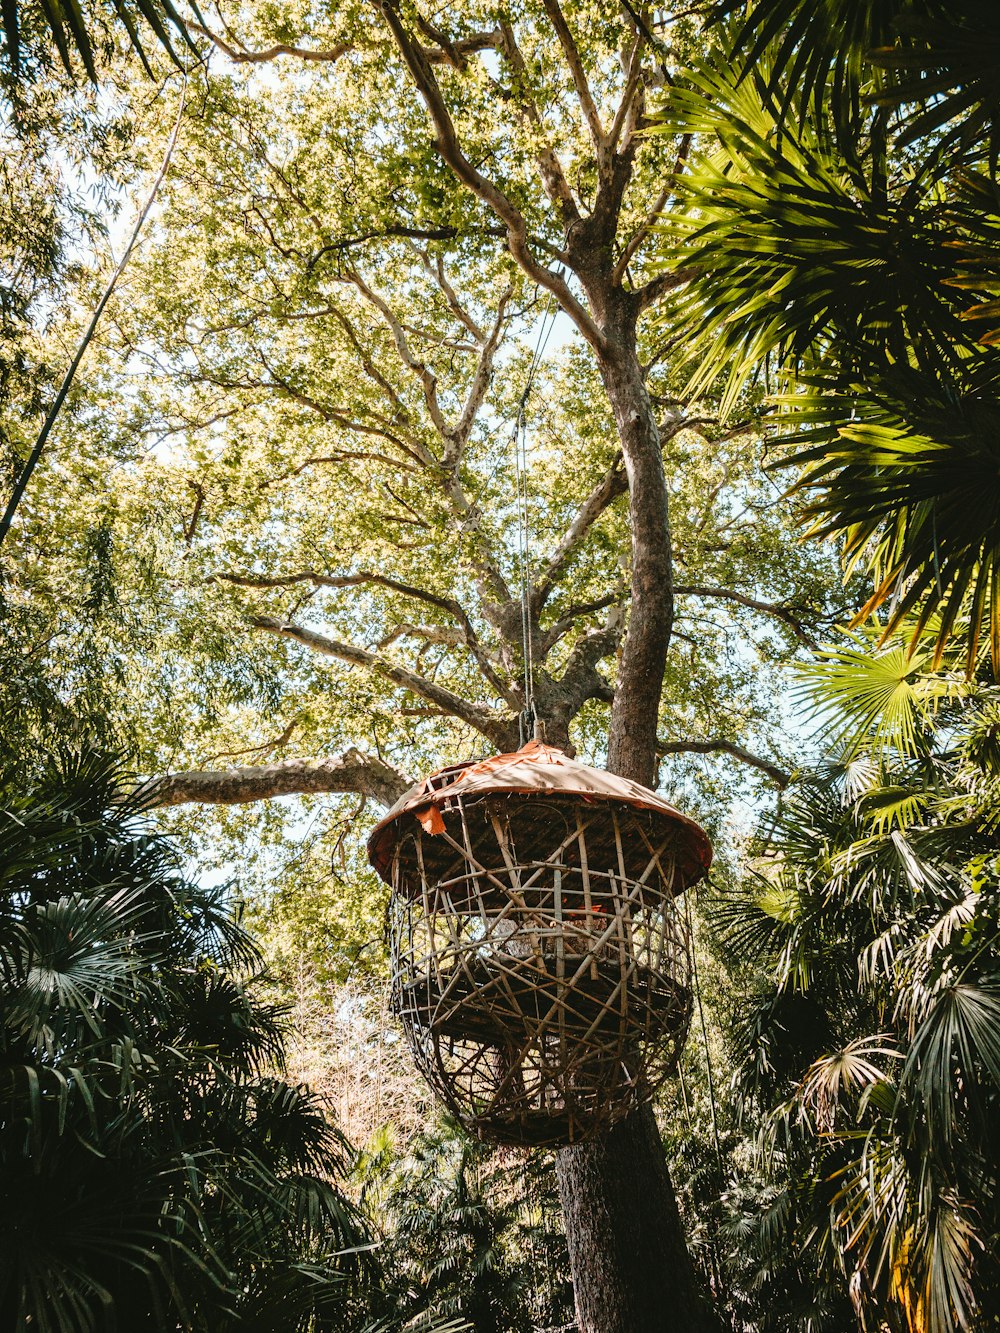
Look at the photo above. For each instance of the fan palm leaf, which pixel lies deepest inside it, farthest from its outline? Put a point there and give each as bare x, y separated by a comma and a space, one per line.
77, 31
154, 1168
874, 701
843, 226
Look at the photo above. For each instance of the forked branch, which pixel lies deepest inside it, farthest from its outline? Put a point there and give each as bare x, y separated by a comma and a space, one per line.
449, 147
613, 484
450, 605
425, 376
480, 384
549, 167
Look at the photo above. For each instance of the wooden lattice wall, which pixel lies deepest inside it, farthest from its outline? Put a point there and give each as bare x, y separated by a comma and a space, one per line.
540, 960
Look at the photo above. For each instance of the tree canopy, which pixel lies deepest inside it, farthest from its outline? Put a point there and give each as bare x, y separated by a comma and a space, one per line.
482, 368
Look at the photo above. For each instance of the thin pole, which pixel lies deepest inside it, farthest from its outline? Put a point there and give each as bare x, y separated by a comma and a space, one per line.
60, 398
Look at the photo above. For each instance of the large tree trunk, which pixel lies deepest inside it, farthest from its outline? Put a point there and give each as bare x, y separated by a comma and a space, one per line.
631, 1269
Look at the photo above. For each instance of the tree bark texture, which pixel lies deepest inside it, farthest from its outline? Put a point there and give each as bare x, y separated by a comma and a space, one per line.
632, 735
631, 1269
632, 1272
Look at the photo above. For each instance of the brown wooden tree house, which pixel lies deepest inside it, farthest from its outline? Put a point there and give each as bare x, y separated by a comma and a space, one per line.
540, 952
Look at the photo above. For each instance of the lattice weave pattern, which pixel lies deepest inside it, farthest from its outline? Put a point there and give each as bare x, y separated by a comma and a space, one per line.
540, 961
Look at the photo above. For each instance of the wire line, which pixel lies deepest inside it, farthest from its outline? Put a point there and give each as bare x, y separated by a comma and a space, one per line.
60, 398
520, 443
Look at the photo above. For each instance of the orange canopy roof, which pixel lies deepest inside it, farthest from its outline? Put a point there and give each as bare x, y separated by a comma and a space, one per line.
533, 769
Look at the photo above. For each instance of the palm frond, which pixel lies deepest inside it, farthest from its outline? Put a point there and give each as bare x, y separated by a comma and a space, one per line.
818, 46
156, 1170
877, 701
793, 246
944, 71
78, 31
956, 1037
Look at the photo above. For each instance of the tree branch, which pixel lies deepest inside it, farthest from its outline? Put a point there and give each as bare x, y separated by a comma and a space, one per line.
449, 53
579, 74
627, 112
777, 774
449, 605
483, 719
341, 456
240, 55
440, 634
199, 502
454, 52
641, 232
341, 417
278, 743
375, 375
775, 609
412, 447
447, 144
353, 772
661, 284
391, 230
454, 438
613, 484
581, 680
436, 272
425, 376
550, 636
549, 166
480, 383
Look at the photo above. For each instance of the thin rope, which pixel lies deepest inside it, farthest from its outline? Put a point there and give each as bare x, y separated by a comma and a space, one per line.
716, 1267
704, 1037
524, 559
53, 412
520, 442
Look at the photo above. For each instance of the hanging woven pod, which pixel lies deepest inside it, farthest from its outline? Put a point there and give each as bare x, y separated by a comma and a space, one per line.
540, 959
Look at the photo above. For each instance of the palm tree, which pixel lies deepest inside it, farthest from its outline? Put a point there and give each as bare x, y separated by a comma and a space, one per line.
870, 937
840, 219
157, 1172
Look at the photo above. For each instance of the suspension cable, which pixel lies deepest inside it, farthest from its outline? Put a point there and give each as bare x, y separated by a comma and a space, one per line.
520, 442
